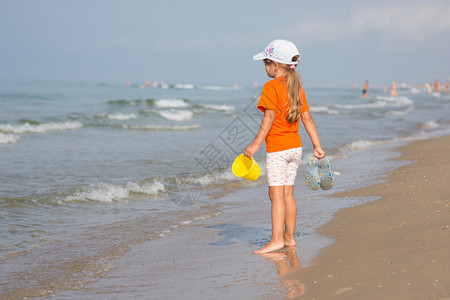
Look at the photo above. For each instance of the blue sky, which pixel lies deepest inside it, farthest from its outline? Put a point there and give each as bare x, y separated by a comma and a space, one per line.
212, 42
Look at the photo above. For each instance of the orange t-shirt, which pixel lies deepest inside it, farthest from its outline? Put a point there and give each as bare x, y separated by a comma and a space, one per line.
282, 135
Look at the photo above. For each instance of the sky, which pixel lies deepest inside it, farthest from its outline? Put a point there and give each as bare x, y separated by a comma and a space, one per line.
212, 42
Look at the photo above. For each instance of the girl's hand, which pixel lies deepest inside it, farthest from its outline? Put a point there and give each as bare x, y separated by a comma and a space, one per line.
251, 150
318, 152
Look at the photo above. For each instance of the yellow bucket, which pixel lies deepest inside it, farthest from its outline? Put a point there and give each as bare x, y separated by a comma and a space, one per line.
246, 168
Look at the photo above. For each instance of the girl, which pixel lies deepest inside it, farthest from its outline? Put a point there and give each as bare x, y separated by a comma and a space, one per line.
284, 103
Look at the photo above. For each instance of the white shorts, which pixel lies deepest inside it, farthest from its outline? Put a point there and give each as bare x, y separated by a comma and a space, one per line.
282, 166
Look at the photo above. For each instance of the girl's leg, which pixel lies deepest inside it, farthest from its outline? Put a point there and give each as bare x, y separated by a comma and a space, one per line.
276, 194
291, 215
289, 200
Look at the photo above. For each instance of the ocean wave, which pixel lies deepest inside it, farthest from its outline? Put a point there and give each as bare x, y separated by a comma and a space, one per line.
361, 106
184, 86
8, 139
225, 108
120, 117
105, 192
161, 127
214, 177
415, 91
176, 115
360, 145
171, 103
400, 100
323, 109
217, 88
40, 128
429, 125
382, 102
148, 188
400, 112
418, 135
123, 102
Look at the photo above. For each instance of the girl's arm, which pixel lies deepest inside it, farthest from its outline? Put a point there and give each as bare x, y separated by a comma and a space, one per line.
310, 127
266, 124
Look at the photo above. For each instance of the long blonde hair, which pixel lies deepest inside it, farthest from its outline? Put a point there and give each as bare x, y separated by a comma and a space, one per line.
294, 85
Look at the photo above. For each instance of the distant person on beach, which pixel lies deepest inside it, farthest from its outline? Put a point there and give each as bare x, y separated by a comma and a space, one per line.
365, 90
428, 88
437, 86
394, 90
284, 103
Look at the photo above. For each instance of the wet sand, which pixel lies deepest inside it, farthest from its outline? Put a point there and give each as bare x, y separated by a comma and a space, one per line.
211, 259
397, 247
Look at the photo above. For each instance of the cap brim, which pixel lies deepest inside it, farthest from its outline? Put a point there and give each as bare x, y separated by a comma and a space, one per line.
259, 56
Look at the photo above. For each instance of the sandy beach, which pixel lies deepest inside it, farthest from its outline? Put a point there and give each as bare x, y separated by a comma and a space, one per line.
396, 247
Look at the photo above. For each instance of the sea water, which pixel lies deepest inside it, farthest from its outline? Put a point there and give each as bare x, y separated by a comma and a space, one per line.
90, 170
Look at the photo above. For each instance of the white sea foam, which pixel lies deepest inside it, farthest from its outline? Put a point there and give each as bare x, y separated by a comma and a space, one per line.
323, 109
381, 102
171, 103
30, 128
386, 98
177, 115
8, 138
401, 112
145, 188
360, 106
400, 100
430, 125
419, 135
161, 127
100, 193
217, 88
184, 86
214, 177
226, 108
403, 101
120, 117
360, 145
105, 192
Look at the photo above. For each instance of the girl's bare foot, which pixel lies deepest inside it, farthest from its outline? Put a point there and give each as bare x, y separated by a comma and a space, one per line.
289, 242
270, 247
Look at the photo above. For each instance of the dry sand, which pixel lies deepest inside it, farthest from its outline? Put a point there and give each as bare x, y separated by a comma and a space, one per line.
397, 247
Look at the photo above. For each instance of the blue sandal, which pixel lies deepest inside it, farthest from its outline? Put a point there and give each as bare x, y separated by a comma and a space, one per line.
312, 178
326, 174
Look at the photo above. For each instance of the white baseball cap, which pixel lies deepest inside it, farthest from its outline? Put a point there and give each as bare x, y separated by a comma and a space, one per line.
281, 51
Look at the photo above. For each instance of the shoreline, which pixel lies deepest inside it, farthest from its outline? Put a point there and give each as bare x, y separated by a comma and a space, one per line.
396, 245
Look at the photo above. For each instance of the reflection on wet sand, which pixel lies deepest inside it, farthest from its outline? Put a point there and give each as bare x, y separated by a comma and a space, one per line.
286, 261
